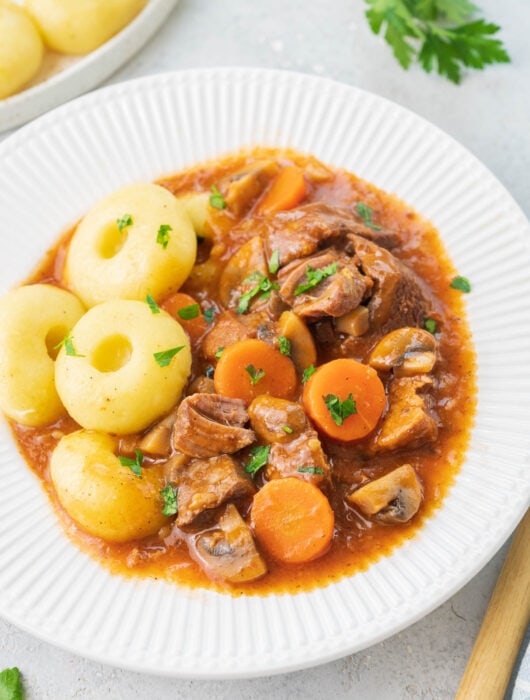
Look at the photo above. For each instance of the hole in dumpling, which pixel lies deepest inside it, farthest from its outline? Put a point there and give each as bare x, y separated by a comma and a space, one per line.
53, 338
112, 353
111, 240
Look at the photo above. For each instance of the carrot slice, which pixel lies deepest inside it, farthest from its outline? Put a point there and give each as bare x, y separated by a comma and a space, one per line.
196, 326
287, 190
340, 378
250, 368
292, 520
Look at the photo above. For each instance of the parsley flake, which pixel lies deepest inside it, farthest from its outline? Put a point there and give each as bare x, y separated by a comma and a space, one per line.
125, 221
274, 262
255, 374
315, 277
430, 325
164, 357
189, 312
68, 343
11, 684
308, 371
155, 309
219, 352
287, 429
340, 410
310, 470
285, 345
259, 458
366, 213
162, 237
169, 494
135, 465
264, 287
217, 201
462, 284
209, 314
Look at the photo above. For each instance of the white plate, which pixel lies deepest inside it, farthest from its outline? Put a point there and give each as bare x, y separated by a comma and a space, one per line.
63, 77
53, 170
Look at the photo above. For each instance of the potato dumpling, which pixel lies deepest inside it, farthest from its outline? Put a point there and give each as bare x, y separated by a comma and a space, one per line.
21, 48
197, 206
137, 240
33, 321
104, 497
80, 26
114, 382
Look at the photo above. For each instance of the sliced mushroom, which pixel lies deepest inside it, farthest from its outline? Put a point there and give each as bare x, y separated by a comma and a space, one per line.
394, 498
407, 351
303, 350
157, 441
356, 323
246, 185
228, 552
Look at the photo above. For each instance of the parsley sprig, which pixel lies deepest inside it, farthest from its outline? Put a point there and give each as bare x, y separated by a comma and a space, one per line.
169, 494
68, 343
308, 372
340, 410
310, 470
462, 284
135, 465
315, 277
164, 357
263, 287
149, 300
259, 456
366, 213
124, 221
11, 684
189, 312
439, 34
162, 236
255, 374
217, 201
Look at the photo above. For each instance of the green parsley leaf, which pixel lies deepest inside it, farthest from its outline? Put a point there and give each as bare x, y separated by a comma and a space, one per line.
285, 345
340, 410
11, 684
219, 351
209, 314
310, 470
162, 237
155, 309
274, 262
263, 287
430, 325
315, 277
68, 343
462, 284
255, 374
259, 458
169, 494
189, 312
366, 214
308, 371
165, 356
287, 429
135, 465
124, 221
217, 201
438, 34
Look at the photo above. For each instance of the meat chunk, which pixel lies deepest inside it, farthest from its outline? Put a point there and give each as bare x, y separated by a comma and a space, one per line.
399, 297
228, 552
207, 483
209, 424
276, 420
407, 422
337, 294
228, 330
302, 458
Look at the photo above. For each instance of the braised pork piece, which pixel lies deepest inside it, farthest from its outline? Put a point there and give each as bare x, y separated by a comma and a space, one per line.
327, 270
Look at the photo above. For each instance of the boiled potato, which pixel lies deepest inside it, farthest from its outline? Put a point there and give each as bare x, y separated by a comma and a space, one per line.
114, 382
80, 26
104, 497
21, 48
33, 320
123, 249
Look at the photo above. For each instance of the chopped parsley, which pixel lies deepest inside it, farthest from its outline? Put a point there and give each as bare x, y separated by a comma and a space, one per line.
366, 213
310, 470
274, 262
263, 287
255, 374
68, 343
11, 685
340, 410
169, 494
208, 314
315, 277
287, 429
162, 237
259, 456
462, 284
124, 221
308, 371
430, 325
165, 356
219, 352
285, 345
155, 309
217, 201
189, 312
135, 465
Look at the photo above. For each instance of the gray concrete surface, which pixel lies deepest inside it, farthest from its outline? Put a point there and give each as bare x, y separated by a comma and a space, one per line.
490, 114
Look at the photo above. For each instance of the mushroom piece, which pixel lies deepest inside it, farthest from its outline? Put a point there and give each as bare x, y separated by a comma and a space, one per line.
407, 351
394, 498
228, 552
356, 323
157, 441
246, 185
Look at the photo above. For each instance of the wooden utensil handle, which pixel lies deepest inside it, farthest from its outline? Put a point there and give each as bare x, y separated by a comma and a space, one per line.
491, 662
